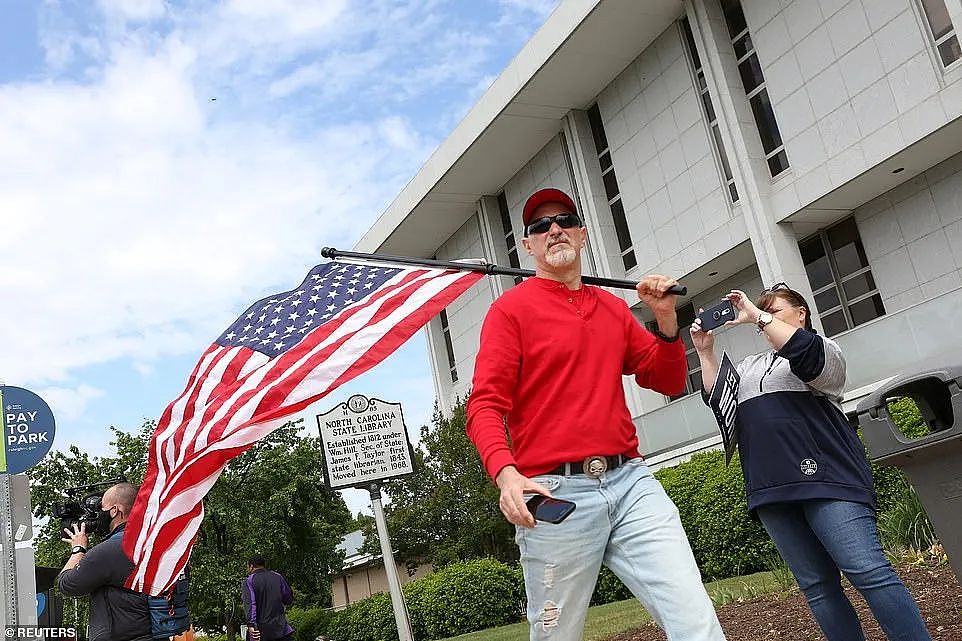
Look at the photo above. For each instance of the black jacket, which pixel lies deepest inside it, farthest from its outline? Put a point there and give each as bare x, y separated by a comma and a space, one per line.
116, 613
265, 593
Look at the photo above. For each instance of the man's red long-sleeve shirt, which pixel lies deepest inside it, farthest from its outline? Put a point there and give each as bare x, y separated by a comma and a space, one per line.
550, 364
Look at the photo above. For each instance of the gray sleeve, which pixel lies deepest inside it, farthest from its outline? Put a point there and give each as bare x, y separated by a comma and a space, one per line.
93, 572
831, 380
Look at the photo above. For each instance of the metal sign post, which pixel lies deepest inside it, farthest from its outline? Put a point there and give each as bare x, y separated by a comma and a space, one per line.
27, 429
10, 599
401, 617
365, 441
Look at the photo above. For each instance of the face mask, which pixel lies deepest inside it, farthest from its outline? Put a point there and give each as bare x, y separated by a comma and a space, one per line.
102, 524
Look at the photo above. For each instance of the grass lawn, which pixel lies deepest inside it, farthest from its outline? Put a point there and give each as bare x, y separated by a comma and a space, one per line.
613, 618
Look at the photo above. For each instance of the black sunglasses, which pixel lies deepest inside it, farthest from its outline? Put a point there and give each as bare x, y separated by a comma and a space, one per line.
776, 287
540, 226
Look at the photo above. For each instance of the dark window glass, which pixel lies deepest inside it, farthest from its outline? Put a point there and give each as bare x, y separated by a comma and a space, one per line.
597, 128
709, 108
734, 17
716, 134
950, 51
611, 184
702, 82
694, 381
733, 191
751, 73
765, 120
448, 347
621, 224
778, 163
629, 260
938, 15
604, 160
827, 300
847, 247
509, 241
865, 310
816, 263
834, 323
690, 41
505, 216
686, 316
858, 285
848, 257
743, 46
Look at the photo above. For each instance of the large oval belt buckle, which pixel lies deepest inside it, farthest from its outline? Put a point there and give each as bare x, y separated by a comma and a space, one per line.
595, 466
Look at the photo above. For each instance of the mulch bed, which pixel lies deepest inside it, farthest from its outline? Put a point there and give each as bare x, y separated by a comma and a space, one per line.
934, 585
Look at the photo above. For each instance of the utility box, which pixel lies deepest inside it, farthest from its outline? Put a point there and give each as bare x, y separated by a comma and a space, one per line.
932, 463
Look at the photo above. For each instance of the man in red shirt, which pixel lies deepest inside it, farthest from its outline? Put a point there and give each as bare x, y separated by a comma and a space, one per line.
550, 365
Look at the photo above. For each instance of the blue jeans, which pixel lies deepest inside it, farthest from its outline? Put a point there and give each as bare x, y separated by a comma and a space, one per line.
819, 538
626, 521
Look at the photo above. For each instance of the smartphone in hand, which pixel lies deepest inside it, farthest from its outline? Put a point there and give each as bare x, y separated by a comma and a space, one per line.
548, 509
717, 315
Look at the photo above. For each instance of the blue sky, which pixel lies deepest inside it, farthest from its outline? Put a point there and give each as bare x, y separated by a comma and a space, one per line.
169, 162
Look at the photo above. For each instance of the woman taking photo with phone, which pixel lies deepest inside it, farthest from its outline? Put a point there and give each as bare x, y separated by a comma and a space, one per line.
806, 474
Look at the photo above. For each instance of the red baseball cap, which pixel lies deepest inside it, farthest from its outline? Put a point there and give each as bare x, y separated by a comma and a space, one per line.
543, 196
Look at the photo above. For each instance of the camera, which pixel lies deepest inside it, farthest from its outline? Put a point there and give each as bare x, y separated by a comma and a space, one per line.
86, 510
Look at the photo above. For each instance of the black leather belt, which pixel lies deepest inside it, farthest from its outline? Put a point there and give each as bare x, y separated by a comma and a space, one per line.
591, 466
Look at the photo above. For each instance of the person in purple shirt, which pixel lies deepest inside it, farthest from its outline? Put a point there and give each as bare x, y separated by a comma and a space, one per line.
266, 594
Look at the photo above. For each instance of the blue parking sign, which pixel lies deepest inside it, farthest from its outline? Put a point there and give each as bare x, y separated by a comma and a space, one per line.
28, 428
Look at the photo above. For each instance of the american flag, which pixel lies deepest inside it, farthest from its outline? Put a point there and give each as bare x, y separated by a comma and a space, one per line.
284, 353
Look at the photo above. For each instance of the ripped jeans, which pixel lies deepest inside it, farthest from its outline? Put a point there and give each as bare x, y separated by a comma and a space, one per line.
626, 521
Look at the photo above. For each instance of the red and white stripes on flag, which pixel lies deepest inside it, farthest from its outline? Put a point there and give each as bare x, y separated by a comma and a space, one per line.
284, 353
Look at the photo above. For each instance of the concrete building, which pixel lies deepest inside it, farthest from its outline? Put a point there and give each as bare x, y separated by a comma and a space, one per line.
729, 144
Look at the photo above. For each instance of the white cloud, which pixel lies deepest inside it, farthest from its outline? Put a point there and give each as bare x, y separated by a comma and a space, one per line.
134, 10
136, 215
69, 403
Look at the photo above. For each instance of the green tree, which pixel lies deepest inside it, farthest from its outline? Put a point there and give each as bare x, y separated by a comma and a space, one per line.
447, 510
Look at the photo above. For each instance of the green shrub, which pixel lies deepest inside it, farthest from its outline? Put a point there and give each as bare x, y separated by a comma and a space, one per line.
727, 541
414, 595
309, 623
906, 525
371, 619
714, 512
469, 596
907, 417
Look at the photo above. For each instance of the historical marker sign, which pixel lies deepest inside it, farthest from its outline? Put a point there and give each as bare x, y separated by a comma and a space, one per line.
28, 429
364, 441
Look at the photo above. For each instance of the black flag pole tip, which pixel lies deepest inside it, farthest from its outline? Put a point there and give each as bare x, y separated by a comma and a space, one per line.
479, 265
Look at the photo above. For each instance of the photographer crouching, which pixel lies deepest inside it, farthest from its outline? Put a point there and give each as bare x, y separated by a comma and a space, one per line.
116, 613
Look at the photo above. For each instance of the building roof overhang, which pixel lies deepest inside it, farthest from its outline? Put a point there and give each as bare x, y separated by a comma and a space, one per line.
579, 50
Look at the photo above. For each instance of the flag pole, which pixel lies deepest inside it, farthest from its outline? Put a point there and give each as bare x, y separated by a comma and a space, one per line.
480, 266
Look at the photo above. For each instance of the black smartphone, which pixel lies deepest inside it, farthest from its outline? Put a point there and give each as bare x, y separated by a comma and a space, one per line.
717, 315
549, 510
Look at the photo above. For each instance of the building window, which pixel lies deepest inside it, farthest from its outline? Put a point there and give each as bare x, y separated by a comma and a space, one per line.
611, 188
754, 82
841, 279
448, 347
509, 241
942, 30
709, 109
686, 316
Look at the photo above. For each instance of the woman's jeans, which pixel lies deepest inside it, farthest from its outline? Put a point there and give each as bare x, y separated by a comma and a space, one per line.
625, 520
819, 538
